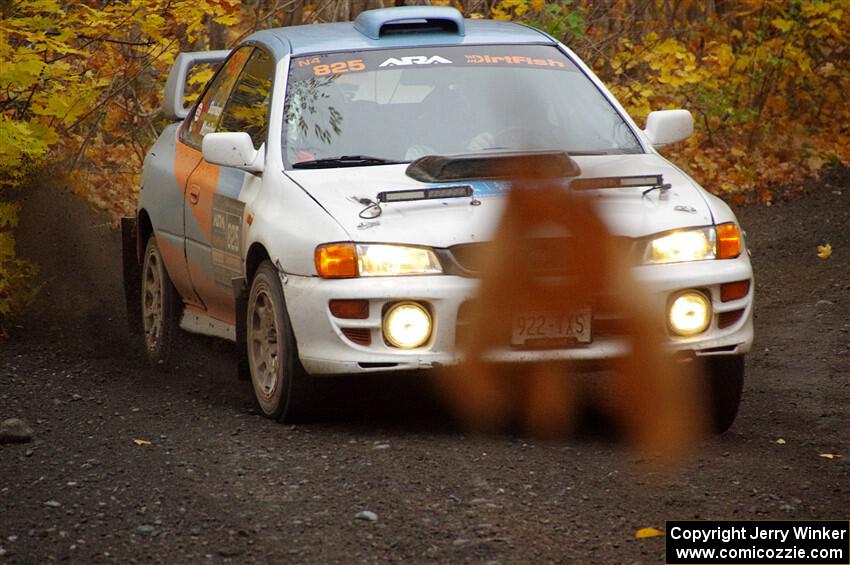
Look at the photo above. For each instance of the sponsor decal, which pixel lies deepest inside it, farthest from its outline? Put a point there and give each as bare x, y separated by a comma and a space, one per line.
415, 60
513, 60
333, 65
226, 238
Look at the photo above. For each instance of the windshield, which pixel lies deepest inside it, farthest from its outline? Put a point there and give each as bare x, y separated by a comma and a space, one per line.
401, 104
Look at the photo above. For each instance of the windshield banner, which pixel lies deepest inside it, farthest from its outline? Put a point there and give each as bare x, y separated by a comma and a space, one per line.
530, 56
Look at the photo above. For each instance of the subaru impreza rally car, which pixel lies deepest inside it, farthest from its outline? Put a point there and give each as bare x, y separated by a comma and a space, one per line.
323, 201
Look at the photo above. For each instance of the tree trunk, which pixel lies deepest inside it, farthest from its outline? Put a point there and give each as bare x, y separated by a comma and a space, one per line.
217, 34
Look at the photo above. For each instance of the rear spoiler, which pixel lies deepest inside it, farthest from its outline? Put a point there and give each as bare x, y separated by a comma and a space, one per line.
172, 103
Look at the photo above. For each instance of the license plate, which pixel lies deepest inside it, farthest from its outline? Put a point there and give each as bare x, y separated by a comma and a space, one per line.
529, 328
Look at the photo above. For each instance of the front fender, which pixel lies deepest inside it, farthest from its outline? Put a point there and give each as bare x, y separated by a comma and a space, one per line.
289, 224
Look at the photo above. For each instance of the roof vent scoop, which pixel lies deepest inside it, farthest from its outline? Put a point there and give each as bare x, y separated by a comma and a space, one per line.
375, 24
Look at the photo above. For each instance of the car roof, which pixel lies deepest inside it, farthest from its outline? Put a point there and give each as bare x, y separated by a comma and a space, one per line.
345, 36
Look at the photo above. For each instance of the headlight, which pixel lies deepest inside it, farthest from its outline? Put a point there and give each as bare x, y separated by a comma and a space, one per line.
689, 313
407, 325
686, 245
339, 260
723, 241
382, 260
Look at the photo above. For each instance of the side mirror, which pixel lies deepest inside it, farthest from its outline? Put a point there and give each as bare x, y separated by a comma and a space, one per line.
172, 101
668, 126
233, 149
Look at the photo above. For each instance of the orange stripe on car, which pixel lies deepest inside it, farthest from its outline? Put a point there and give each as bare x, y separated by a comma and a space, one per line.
185, 160
173, 256
206, 179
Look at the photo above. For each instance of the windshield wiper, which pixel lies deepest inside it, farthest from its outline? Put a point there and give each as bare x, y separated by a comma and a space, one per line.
519, 150
619, 151
344, 161
587, 153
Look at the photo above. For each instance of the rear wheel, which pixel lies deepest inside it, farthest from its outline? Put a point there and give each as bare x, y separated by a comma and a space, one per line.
276, 374
725, 385
160, 307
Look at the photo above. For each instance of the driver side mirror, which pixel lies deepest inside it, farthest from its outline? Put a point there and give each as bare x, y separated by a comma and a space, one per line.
233, 149
668, 126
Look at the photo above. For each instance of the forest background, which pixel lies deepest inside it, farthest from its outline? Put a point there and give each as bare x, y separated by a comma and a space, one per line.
81, 85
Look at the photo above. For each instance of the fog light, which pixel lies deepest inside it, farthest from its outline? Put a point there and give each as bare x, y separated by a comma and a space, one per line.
407, 325
690, 313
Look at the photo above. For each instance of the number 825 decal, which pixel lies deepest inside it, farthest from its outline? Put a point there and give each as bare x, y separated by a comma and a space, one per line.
339, 67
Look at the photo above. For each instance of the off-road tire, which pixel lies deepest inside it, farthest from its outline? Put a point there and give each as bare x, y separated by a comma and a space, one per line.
725, 384
281, 385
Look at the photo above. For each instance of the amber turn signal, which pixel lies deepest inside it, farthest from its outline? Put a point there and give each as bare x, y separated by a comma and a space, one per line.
728, 241
734, 291
350, 309
336, 260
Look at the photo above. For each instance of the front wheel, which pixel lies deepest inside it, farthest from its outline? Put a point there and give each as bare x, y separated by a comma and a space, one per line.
276, 374
725, 386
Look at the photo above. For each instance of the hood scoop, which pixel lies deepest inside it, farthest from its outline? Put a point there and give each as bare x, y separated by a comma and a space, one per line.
495, 166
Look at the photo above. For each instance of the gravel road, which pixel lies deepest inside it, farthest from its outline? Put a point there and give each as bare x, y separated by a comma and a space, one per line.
384, 476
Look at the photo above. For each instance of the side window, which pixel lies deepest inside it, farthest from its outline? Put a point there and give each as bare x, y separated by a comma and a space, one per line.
248, 107
208, 112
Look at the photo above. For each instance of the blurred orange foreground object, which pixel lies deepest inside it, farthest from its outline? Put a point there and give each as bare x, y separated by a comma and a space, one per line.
652, 397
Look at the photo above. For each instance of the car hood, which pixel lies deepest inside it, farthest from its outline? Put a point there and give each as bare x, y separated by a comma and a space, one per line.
443, 223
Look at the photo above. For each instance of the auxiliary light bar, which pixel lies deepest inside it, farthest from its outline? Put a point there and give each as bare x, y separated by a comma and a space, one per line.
425, 194
616, 182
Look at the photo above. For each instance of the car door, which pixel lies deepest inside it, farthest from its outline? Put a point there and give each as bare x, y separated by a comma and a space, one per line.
203, 118
214, 210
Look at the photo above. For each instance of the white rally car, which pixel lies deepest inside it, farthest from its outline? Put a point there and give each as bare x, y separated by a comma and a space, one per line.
322, 202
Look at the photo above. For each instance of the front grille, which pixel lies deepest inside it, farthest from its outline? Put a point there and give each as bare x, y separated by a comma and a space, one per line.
726, 319
360, 336
546, 256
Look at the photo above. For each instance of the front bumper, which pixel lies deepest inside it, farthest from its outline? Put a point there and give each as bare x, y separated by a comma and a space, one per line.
324, 348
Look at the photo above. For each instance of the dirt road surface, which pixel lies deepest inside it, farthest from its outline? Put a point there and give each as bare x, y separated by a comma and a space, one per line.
219, 483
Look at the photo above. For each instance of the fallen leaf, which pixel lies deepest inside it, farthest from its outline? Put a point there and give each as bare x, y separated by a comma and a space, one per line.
648, 533
824, 251
780, 441
830, 455
815, 163
141, 442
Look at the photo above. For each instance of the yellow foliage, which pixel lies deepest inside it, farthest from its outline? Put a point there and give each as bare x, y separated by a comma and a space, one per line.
510, 9
762, 81
71, 70
15, 274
